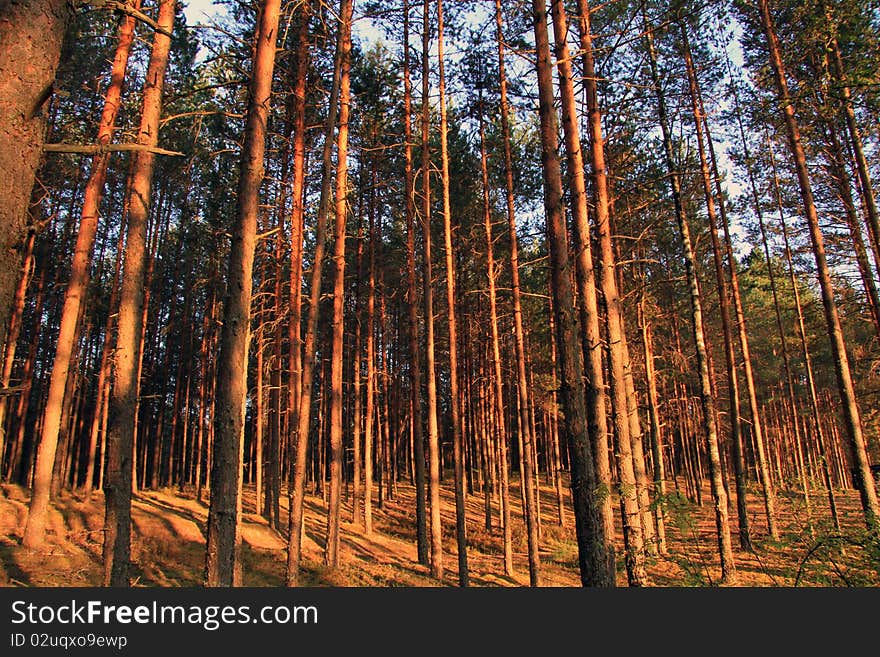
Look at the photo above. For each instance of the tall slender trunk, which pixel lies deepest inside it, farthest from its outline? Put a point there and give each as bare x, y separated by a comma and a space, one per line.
855, 439
123, 397
370, 380
842, 182
864, 175
430, 367
632, 521
707, 400
594, 553
412, 326
331, 549
779, 327
733, 393
18, 303
226, 471
757, 429
518, 331
455, 411
295, 355
415, 370
297, 494
76, 288
497, 380
654, 423
820, 438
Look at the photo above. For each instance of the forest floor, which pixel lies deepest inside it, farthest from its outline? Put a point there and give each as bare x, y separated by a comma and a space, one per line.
169, 527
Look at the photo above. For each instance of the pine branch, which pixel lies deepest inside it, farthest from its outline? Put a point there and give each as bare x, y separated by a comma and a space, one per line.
131, 11
96, 149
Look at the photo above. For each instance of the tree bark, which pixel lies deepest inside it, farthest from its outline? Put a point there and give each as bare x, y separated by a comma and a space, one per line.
225, 506
412, 308
632, 521
331, 549
594, 553
31, 33
434, 465
123, 397
457, 441
78, 286
707, 401
297, 494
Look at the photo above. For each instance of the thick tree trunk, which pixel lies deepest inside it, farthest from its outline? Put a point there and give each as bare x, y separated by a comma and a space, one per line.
31, 33
225, 507
595, 555
861, 471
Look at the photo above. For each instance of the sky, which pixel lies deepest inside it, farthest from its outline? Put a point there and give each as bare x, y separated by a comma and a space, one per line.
204, 11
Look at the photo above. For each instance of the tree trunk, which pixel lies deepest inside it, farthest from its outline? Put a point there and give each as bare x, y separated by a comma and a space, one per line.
123, 398
18, 303
515, 294
632, 521
295, 347
733, 393
297, 490
225, 507
434, 465
412, 308
457, 442
594, 553
707, 401
331, 549
31, 34
820, 438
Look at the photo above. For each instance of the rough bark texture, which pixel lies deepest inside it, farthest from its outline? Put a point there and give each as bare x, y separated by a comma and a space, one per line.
31, 32
122, 410
594, 552
632, 521
225, 507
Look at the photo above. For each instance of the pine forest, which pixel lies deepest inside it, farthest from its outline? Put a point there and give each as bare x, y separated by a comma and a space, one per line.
374, 293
